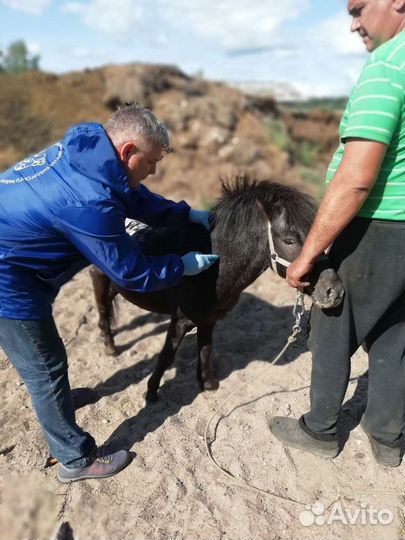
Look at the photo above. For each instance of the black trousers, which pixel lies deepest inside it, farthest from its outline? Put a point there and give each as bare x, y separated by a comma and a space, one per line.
370, 258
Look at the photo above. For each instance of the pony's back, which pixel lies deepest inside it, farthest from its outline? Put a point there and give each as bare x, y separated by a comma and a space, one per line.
180, 239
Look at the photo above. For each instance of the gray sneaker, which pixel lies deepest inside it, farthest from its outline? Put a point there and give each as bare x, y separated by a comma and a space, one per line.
288, 431
390, 456
103, 466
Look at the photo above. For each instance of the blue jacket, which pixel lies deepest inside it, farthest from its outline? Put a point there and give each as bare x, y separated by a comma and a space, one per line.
65, 207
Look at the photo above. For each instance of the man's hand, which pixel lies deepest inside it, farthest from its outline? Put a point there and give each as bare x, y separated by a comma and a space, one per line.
344, 197
297, 272
195, 262
201, 217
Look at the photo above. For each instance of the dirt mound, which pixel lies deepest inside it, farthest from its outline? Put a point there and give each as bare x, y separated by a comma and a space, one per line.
215, 130
318, 127
36, 109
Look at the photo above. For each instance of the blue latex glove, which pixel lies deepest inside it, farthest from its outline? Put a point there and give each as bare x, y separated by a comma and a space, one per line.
201, 217
195, 262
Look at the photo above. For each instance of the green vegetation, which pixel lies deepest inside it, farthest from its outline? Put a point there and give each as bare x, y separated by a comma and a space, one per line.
17, 59
278, 134
328, 104
307, 153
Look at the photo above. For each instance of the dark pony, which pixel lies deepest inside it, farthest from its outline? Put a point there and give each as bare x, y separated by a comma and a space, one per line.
240, 237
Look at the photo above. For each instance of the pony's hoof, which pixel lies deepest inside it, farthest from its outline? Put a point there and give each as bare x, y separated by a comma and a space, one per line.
211, 384
151, 397
110, 350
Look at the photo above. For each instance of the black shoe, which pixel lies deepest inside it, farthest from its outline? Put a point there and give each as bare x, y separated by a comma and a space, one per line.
390, 456
288, 431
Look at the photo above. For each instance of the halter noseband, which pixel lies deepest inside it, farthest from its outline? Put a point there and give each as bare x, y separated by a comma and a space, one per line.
274, 257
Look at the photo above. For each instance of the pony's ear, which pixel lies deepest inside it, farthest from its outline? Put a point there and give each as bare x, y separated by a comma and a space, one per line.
279, 221
261, 208
278, 214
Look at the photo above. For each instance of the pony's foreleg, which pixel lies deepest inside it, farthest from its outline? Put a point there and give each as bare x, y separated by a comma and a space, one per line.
204, 338
104, 301
178, 328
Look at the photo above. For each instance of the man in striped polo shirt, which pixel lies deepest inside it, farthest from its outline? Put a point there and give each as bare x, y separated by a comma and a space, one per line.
363, 215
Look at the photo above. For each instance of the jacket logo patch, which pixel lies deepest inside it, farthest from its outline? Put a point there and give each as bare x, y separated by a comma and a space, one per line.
38, 162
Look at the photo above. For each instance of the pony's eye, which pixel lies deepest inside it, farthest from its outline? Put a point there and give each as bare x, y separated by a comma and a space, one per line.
289, 241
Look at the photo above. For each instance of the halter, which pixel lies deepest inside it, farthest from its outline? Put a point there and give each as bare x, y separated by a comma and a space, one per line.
273, 253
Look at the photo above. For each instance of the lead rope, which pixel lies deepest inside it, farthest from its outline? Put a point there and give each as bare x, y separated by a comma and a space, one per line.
298, 311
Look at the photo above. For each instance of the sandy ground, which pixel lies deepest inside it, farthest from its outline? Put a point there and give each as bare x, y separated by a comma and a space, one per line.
172, 490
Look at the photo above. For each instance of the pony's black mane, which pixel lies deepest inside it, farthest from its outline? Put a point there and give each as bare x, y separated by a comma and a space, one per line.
244, 198
244, 207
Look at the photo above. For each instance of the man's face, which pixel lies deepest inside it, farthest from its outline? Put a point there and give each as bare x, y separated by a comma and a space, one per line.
141, 163
376, 21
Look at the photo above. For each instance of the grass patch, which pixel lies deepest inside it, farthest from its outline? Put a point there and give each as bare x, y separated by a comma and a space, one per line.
327, 104
307, 153
278, 134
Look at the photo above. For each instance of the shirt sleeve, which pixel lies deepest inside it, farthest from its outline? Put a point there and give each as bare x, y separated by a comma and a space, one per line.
155, 210
376, 103
98, 232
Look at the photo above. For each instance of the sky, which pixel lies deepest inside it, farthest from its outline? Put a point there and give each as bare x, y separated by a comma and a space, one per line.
305, 43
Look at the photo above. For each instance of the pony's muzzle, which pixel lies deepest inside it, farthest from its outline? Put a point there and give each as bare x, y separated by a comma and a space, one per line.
328, 291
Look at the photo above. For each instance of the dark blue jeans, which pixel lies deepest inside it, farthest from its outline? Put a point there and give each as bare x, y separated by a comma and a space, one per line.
369, 256
37, 352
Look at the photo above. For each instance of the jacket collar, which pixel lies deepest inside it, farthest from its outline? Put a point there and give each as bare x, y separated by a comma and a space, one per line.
89, 150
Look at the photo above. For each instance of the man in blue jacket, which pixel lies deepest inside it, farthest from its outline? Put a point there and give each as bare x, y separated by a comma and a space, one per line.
60, 210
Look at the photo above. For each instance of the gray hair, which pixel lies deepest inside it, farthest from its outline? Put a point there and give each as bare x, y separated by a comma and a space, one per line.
132, 122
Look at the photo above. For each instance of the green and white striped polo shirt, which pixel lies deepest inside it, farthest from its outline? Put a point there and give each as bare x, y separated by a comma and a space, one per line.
376, 111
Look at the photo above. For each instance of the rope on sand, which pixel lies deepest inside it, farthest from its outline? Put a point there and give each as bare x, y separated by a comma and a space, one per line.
298, 312
242, 483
